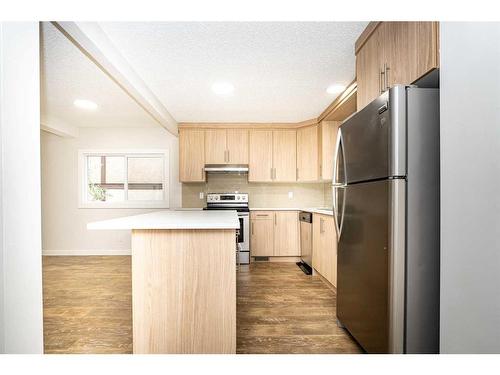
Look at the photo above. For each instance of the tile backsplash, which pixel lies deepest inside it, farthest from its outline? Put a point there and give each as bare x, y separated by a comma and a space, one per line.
272, 195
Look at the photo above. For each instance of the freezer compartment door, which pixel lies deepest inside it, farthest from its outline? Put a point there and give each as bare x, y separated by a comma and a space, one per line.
365, 305
374, 139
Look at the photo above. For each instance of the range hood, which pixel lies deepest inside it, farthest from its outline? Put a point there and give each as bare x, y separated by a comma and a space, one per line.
226, 168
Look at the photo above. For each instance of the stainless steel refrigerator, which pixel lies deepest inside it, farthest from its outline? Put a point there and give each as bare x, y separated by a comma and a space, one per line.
386, 208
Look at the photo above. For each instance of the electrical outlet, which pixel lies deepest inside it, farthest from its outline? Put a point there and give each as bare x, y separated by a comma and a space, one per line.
290, 194
202, 195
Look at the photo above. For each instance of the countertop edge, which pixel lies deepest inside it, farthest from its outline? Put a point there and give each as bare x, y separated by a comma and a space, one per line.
306, 209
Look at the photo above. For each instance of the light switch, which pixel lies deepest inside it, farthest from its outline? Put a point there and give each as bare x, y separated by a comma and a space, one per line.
290, 194
202, 195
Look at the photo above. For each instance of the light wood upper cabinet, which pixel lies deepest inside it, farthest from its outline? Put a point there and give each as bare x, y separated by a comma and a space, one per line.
237, 146
262, 233
369, 61
301, 154
272, 156
191, 155
226, 146
260, 163
286, 233
215, 146
285, 155
399, 52
427, 47
325, 247
327, 136
395, 53
307, 154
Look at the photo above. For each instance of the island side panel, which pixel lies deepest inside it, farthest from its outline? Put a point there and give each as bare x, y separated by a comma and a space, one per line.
184, 291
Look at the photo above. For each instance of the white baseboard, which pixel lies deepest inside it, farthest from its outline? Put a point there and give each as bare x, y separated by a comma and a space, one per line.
85, 252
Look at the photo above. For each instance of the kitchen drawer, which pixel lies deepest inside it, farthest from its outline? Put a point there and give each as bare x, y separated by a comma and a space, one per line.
261, 215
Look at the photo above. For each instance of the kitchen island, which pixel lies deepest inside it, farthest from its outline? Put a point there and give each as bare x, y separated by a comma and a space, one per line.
183, 280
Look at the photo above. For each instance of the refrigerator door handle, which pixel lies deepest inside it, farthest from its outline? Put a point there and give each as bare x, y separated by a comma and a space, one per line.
336, 184
335, 214
338, 142
341, 225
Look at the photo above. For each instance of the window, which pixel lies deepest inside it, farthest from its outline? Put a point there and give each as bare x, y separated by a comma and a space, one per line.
123, 179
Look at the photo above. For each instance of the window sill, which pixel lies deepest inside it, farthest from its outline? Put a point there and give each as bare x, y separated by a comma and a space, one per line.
130, 205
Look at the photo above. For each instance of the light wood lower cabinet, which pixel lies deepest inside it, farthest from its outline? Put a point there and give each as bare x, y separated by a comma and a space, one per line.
274, 233
286, 233
262, 234
325, 247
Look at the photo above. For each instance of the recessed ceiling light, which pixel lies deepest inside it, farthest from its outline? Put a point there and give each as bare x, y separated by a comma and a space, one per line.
223, 88
335, 89
85, 104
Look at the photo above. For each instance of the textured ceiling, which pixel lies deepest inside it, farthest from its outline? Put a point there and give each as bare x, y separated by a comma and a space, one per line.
67, 74
280, 70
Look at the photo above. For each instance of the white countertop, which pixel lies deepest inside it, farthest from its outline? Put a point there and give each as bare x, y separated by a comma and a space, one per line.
323, 211
172, 219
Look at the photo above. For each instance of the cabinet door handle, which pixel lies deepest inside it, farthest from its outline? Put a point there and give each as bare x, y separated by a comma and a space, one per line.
271, 173
297, 174
275, 223
252, 225
386, 77
381, 81
321, 225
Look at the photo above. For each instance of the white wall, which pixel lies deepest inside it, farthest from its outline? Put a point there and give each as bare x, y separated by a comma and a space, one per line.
21, 322
470, 187
64, 229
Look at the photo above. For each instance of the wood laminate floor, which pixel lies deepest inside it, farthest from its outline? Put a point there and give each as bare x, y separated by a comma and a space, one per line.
88, 309
282, 310
87, 304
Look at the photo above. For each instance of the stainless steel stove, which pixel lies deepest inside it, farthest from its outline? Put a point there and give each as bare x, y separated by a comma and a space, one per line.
238, 202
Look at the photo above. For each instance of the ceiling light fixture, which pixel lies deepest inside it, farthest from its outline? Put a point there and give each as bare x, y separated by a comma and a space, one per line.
223, 88
85, 104
335, 89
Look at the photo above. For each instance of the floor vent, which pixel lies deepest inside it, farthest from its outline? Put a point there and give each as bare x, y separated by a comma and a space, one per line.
305, 268
261, 259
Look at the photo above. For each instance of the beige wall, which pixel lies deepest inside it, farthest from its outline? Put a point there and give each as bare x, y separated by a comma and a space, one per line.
260, 194
63, 223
